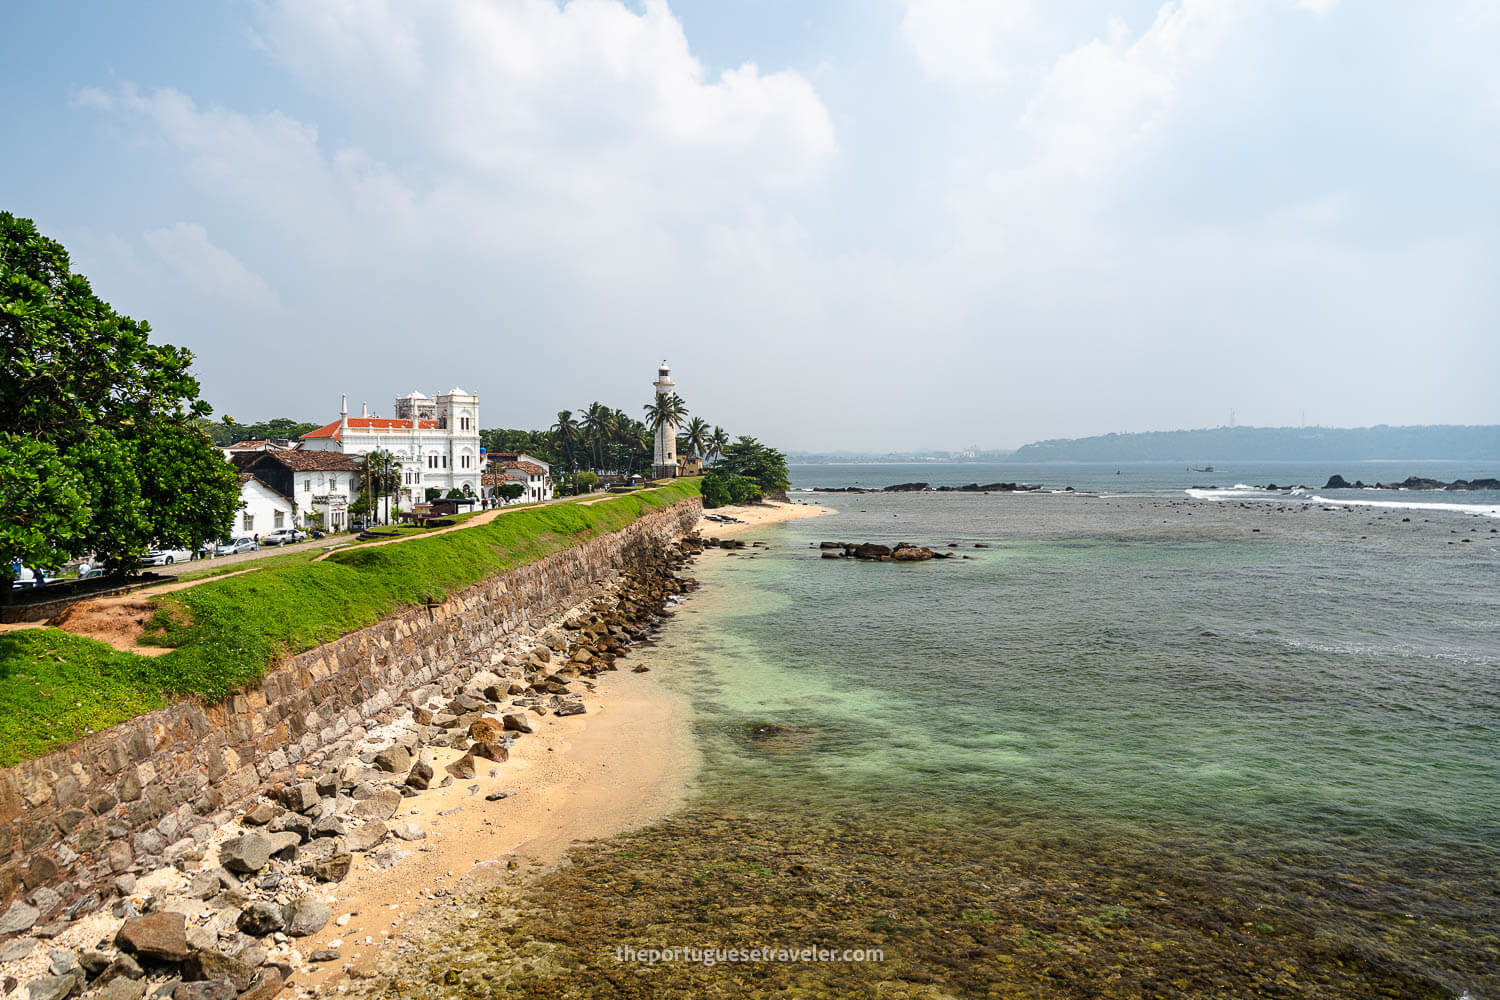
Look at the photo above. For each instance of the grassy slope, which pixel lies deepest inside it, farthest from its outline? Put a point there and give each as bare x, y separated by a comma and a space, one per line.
56, 687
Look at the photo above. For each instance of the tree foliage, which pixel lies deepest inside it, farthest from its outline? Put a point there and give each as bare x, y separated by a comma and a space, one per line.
762, 465
721, 489
230, 431
101, 450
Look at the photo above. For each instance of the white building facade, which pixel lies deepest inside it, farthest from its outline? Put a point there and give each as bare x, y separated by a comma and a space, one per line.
262, 509
434, 439
534, 476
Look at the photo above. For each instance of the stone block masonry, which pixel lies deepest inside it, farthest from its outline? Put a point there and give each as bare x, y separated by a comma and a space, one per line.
135, 796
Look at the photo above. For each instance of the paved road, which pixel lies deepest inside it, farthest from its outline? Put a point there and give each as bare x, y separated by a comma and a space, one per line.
249, 557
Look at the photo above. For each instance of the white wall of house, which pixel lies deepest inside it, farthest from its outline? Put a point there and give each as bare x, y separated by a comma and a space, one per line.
262, 510
326, 493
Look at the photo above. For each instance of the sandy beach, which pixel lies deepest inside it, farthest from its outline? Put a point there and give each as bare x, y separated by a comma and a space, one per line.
755, 516
619, 766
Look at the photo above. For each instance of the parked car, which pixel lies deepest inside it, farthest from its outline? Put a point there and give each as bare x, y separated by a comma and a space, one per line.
166, 557
283, 536
27, 577
234, 546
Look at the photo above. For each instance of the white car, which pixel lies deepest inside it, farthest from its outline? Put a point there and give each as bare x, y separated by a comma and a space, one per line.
166, 557
235, 546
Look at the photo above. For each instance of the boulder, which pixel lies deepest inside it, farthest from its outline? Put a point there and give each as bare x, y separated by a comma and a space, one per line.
487, 730
463, 768
161, 936
420, 775
911, 553
246, 854
52, 987
393, 760
367, 836
300, 797
267, 986
121, 989
284, 843
409, 831
20, 917
305, 915
570, 708
333, 868
382, 805
490, 751
212, 966
328, 826
260, 918
261, 814
291, 822
123, 967
517, 723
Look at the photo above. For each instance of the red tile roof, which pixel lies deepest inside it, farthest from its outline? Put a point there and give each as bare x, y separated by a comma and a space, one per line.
371, 424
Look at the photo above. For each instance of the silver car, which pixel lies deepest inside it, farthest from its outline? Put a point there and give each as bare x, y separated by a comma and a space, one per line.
235, 546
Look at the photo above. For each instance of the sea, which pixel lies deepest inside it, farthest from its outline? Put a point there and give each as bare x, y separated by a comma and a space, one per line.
1167, 735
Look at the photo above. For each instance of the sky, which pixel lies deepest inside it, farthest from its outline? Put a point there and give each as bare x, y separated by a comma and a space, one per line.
856, 224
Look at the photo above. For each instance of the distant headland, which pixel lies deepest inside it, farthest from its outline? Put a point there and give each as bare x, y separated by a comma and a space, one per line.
1431, 442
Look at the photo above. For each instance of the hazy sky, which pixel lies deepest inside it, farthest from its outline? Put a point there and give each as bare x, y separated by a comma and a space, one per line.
868, 224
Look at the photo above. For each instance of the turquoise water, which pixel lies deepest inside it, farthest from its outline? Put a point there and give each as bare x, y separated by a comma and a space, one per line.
1311, 715
1130, 747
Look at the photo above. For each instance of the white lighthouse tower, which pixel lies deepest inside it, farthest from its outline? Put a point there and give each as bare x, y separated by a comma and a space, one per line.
664, 460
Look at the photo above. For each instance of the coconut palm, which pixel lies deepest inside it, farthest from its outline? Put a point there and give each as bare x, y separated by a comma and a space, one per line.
598, 422
380, 474
695, 436
717, 442
665, 409
565, 433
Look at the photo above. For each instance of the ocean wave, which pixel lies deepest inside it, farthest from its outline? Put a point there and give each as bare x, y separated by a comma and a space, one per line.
1481, 510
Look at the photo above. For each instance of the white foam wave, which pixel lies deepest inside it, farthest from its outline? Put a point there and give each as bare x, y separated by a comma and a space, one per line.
1481, 510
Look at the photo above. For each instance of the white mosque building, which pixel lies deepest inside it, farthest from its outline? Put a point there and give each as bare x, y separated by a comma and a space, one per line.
434, 438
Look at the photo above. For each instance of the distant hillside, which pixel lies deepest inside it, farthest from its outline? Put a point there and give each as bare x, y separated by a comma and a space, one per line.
1274, 444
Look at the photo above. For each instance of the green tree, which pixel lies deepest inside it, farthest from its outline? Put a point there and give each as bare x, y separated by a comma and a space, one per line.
510, 491
598, 422
380, 476
695, 437
109, 421
763, 466
720, 489
585, 482
666, 408
717, 442
565, 433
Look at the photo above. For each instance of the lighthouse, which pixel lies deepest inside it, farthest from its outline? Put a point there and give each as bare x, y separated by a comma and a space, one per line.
664, 459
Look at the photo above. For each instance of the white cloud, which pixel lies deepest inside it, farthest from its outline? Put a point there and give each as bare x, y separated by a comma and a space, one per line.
966, 41
207, 271
586, 88
1098, 99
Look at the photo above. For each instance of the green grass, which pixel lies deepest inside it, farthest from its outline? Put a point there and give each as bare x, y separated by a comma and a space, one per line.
224, 633
56, 687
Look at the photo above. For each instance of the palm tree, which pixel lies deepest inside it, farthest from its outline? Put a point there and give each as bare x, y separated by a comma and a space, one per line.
695, 436
717, 442
565, 433
380, 472
665, 409
598, 420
